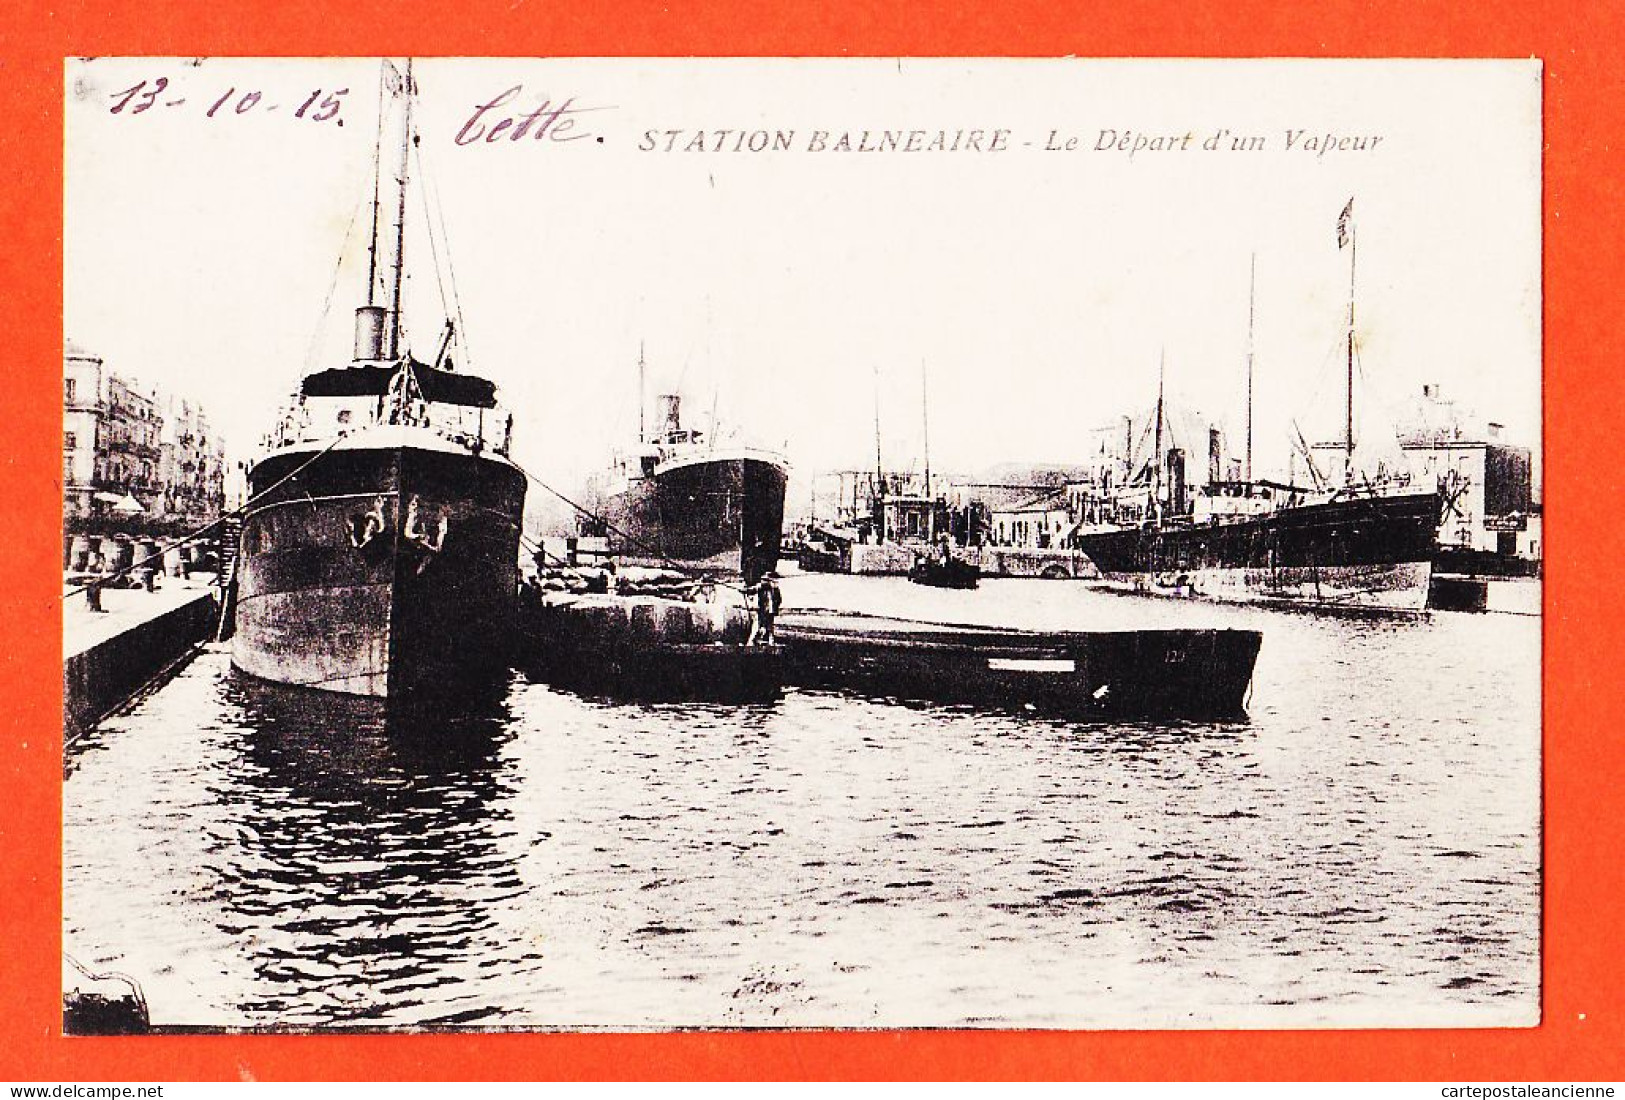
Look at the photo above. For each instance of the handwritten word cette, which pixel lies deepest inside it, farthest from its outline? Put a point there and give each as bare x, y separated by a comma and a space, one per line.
550, 121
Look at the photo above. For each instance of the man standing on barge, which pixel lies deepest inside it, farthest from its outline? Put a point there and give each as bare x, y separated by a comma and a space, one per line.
768, 601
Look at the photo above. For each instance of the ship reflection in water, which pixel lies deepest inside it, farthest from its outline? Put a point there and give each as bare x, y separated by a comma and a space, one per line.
1362, 850
377, 877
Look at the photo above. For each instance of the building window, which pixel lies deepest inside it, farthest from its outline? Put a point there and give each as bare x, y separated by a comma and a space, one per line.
68, 388
70, 441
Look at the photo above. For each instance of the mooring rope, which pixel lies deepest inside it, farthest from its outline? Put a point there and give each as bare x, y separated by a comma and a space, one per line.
194, 536
653, 551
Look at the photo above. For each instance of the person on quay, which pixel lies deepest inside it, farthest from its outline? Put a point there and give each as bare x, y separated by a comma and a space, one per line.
96, 567
768, 601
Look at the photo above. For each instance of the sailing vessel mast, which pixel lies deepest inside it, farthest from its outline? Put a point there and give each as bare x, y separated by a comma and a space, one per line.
643, 435
1346, 235
1252, 288
1156, 457
925, 426
377, 183
1128, 450
378, 323
925, 422
394, 348
878, 501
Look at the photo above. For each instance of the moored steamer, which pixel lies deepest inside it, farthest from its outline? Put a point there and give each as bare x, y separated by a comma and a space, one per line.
1367, 543
379, 552
683, 498
1354, 551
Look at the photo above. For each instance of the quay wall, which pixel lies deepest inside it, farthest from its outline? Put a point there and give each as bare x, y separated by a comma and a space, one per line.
1015, 561
590, 624
894, 559
99, 678
882, 559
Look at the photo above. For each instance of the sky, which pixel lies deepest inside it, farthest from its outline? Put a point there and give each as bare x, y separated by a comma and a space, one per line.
1034, 290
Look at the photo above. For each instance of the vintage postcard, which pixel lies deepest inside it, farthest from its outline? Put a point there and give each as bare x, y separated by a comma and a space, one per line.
801, 543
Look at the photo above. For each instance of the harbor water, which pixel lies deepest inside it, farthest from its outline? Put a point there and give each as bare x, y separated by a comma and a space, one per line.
1362, 850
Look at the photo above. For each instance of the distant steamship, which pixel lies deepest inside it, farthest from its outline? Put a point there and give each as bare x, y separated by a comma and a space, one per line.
1365, 542
379, 555
681, 497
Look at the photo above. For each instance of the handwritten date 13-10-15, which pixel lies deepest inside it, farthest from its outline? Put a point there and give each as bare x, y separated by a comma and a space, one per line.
320, 105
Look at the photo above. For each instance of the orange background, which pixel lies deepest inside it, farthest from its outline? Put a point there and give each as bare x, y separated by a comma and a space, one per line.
1581, 1038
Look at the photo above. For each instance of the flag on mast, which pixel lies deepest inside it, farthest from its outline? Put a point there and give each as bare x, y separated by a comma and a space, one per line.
1343, 221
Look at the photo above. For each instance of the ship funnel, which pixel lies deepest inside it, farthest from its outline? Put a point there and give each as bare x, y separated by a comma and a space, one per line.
1176, 480
369, 332
670, 404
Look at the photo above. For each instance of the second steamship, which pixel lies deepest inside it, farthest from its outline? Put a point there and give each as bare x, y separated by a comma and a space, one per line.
1368, 541
683, 498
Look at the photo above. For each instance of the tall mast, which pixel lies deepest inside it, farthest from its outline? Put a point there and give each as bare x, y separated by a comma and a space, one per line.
642, 434
372, 319
925, 422
1156, 457
394, 348
925, 433
879, 495
377, 181
1128, 450
1252, 287
1347, 222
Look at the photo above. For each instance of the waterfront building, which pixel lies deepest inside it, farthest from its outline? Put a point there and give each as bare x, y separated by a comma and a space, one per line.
82, 465
129, 452
191, 463
1041, 522
1489, 495
892, 507
128, 436
1489, 500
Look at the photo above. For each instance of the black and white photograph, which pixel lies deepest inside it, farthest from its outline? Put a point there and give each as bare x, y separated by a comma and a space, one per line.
700, 543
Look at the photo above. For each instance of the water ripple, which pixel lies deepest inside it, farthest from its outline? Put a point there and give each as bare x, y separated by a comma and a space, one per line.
1363, 850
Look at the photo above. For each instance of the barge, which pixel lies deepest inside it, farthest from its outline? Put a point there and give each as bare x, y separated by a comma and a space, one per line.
1197, 674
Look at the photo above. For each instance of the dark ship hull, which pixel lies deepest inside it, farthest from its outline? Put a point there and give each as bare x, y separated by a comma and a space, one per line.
723, 514
380, 571
1363, 551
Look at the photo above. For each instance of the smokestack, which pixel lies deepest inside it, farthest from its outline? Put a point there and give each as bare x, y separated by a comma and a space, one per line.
1214, 456
369, 332
670, 405
1176, 480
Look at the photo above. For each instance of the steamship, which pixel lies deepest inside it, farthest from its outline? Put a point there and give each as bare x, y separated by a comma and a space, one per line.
1363, 543
682, 499
379, 550
1356, 548
1367, 542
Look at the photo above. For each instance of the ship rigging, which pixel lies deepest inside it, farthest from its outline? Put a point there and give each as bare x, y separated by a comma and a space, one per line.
390, 567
